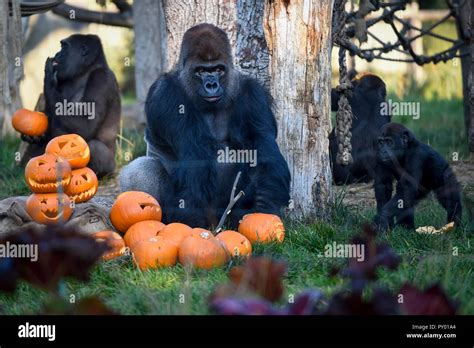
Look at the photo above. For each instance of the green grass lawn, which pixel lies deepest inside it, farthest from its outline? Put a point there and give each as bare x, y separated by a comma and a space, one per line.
425, 259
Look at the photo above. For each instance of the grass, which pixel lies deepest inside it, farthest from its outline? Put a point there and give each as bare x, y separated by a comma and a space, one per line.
176, 290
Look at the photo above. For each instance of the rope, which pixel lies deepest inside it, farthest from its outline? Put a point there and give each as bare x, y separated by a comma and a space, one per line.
403, 44
344, 114
344, 111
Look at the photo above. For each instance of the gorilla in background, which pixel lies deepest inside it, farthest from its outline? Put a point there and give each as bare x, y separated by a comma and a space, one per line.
79, 75
367, 94
195, 112
418, 170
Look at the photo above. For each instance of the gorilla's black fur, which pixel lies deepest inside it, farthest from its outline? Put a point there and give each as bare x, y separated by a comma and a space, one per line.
196, 113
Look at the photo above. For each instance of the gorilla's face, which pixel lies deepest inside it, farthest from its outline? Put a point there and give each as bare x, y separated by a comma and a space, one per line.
66, 62
77, 54
207, 83
393, 143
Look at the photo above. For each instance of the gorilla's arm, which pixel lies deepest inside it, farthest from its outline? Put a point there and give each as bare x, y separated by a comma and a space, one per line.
401, 205
172, 126
383, 186
272, 176
96, 93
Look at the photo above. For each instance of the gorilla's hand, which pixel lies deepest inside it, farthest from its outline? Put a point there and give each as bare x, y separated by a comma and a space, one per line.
32, 140
381, 223
50, 75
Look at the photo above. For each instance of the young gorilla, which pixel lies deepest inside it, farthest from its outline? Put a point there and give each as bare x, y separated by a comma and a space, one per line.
193, 113
418, 170
367, 95
79, 74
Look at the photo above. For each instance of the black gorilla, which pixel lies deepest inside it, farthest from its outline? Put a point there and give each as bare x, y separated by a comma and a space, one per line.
199, 118
367, 95
82, 97
418, 170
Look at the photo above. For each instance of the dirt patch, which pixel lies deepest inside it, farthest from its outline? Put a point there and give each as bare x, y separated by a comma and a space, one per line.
109, 187
362, 195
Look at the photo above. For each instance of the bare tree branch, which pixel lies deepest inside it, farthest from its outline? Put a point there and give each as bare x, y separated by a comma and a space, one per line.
124, 19
232, 200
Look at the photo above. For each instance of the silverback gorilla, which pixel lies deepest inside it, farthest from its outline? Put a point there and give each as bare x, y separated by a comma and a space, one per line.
367, 95
82, 97
199, 111
418, 170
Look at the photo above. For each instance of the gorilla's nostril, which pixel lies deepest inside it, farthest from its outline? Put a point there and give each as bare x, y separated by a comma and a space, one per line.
211, 86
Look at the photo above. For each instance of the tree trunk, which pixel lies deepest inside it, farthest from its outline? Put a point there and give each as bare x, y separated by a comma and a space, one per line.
464, 26
11, 65
288, 48
241, 20
299, 41
471, 85
150, 48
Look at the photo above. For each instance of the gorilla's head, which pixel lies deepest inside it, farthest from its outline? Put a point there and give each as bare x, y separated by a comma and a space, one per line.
205, 67
368, 91
77, 55
393, 142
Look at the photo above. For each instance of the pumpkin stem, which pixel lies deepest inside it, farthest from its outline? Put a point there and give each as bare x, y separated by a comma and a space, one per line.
233, 199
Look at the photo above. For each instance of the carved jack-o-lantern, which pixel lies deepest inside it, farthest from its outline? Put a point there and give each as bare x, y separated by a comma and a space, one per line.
49, 208
114, 241
44, 174
71, 147
134, 206
82, 186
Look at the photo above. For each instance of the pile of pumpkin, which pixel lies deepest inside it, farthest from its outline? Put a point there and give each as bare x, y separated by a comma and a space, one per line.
63, 166
137, 216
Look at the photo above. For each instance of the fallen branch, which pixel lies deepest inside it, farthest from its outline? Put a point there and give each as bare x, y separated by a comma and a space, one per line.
233, 199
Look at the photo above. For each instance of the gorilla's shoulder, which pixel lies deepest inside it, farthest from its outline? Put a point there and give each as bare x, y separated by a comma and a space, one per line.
254, 91
166, 87
166, 82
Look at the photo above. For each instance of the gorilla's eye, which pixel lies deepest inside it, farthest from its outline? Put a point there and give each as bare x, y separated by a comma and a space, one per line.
220, 69
389, 142
199, 70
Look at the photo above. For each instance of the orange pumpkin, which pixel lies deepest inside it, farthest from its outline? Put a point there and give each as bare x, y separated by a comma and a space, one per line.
28, 122
142, 230
114, 241
133, 206
49, 208
200, 232
236, 244
42, 172
72, 147
176, 232
262, 228
154, 252
83, 185
202, 251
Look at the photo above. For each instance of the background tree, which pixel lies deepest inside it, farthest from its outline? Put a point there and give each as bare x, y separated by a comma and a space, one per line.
150, 48
11, 67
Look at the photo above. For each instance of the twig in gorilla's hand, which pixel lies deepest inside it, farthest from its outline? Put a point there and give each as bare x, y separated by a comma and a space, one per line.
233, 199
